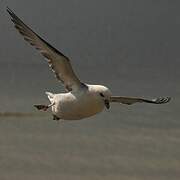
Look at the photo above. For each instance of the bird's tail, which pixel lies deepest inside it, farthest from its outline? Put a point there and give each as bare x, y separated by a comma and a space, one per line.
50, 96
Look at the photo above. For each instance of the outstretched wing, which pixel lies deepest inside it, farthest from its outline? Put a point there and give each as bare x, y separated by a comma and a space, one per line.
58, 62
132, 100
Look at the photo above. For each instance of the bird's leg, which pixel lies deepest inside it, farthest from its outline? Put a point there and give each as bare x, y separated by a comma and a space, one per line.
44, 107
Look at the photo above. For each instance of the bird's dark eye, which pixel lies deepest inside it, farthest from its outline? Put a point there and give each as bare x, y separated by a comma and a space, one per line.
101, 94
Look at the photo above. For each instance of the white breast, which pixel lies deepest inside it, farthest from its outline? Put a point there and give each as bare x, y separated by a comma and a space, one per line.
70, 106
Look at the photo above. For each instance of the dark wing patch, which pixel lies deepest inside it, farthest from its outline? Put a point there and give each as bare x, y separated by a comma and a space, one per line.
162, 100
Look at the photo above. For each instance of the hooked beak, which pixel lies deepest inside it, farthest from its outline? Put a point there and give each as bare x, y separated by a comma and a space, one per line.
107, 104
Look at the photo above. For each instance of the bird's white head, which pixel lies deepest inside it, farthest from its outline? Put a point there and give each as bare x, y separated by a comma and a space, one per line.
102, 92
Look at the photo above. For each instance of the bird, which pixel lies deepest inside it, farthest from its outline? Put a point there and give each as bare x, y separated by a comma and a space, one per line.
80, 100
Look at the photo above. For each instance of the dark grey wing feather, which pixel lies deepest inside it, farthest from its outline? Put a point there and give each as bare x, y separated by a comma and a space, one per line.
58, 62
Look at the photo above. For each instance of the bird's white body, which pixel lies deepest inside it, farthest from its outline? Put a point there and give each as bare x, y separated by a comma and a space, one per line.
80, 104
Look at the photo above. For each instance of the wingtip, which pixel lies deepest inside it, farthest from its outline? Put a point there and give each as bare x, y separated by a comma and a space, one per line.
11, 13
163, 100
8, 9
169, 99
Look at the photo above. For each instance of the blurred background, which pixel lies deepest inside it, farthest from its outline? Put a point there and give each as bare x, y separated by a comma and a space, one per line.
130, 46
